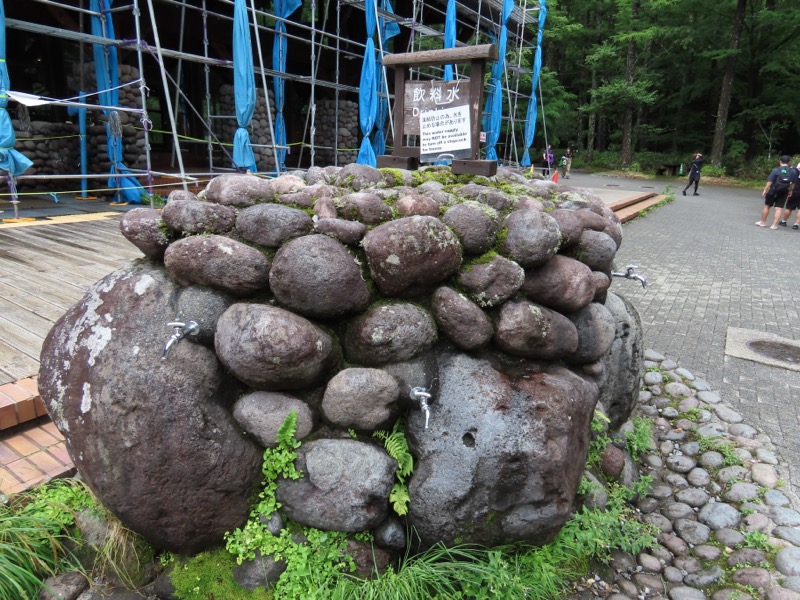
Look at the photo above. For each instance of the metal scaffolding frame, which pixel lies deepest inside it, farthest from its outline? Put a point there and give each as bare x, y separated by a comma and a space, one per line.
472, 15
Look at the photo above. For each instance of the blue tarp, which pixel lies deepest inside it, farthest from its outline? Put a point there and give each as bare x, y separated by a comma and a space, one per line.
13, 162
494, 101
530, 119
244, 88
282, 9
449, 35
105, 68
388, 29
367, 105
368, 98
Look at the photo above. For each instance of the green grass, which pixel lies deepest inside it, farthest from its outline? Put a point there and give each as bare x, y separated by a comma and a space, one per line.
29, 553
508, 572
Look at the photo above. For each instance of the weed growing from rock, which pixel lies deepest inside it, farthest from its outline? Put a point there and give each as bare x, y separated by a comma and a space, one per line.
309, 553
396, 446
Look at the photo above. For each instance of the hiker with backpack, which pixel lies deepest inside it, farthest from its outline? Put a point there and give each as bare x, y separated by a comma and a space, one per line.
779, 183
694, 173
792, 202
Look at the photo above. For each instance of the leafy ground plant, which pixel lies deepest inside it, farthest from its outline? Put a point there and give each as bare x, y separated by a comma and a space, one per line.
396, 446
640, 439
32, 535
308, 553
509, 572
29, 553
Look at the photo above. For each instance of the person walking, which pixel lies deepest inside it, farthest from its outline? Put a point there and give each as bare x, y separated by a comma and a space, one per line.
547, 158
694, 173
780, 183
568, 156
792, 202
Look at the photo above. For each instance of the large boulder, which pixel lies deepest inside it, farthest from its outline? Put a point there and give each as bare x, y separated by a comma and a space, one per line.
316, 276
151, 437
270, 348
345, 486
272, 224
623, 363
335, 296
219, 262
527, 329
142, 228
410, 256
387, 333
499, 462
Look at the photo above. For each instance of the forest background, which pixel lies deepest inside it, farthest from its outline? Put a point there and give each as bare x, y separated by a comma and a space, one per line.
636, 84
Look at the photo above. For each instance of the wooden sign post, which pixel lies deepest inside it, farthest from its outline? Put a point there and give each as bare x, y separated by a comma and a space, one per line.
446, 115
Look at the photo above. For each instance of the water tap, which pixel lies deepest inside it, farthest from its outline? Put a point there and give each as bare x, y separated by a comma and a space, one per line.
629, 274
421, 395
179, 331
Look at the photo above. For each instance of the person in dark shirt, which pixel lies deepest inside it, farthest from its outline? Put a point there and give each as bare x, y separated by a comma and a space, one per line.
780, 183
694, 173
793, 202
568, 156
548, 158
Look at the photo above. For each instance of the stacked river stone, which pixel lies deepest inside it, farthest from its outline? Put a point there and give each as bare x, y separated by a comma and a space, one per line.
476, 309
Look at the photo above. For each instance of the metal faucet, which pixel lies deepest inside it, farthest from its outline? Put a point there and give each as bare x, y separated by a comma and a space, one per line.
179, 331
421, 395
629, 274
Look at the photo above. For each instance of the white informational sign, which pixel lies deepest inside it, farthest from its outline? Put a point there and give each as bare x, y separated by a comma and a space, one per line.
444, 131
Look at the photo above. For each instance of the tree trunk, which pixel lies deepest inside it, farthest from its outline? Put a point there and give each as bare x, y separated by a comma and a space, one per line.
591, 126
727, 86
627, 116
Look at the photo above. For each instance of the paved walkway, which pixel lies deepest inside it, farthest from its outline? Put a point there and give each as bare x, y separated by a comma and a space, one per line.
709, 268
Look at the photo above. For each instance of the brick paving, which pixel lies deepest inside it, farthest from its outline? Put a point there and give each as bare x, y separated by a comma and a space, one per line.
32, 450
708, 268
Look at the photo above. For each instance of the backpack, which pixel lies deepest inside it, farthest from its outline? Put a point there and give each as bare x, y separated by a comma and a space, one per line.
783, 179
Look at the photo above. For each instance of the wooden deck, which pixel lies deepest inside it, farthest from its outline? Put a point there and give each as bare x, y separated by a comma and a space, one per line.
45, 267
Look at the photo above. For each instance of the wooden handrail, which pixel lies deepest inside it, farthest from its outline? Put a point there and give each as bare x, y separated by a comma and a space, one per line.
428, 58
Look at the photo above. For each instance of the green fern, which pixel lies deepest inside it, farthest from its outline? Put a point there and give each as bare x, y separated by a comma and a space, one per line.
399, 498
396, 446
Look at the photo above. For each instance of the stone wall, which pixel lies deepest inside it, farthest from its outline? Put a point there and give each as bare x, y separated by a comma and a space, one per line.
490, 298
54, 148
133, 152
260, 134
349, 135
347, 142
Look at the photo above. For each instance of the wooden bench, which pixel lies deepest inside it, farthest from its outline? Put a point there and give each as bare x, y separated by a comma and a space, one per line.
668, 170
